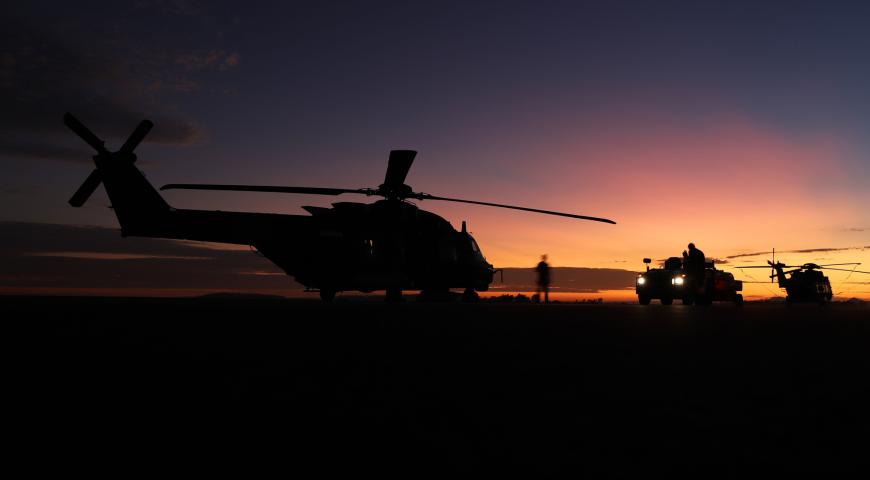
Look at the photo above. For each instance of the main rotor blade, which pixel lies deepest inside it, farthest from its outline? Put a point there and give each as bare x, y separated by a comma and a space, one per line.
397, 169
835, 264
137, 136
82, 131
844, 270
264, 188
86, 189
426, 196
764, 266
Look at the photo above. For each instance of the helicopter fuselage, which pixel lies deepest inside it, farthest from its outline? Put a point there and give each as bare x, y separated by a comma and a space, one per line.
388, 244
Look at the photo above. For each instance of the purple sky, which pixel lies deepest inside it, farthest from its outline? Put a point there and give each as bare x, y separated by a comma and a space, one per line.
586, 107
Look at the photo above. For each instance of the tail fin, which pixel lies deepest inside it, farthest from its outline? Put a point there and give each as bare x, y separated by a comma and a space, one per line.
137, 204
780, 275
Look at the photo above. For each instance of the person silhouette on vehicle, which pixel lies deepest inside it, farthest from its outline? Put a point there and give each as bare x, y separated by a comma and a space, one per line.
543, 270
694, 263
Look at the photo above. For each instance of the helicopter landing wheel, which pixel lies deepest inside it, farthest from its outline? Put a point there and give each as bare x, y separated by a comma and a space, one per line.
643, 299
738, 300
469, 295
394, 295
327, 295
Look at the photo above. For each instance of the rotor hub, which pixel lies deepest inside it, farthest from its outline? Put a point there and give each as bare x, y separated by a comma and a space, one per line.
401, 191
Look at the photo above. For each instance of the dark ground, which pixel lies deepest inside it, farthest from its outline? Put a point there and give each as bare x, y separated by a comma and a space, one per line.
204, 385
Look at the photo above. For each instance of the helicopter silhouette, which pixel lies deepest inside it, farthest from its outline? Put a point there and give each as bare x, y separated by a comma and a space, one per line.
389, 245
804, 283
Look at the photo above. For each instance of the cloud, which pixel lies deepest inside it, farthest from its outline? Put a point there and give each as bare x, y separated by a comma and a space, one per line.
568, 279
806, 250
213, 246
113, 256
44, 151
177, 84
753, 254
111, 90
17, 189
202, 60
814, 250
36, 257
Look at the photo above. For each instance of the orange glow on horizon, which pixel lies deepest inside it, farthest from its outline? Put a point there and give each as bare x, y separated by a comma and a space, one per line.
729, 185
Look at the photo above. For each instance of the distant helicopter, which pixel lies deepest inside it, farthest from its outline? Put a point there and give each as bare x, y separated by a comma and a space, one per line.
387, 245
805, 283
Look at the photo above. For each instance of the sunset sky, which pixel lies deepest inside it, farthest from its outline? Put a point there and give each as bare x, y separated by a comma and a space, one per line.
739, 126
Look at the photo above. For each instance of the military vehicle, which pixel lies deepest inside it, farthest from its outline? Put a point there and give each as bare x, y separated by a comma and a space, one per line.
672, 282
389, 245
663, 284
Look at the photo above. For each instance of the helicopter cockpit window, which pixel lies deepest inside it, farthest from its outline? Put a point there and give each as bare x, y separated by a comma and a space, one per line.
474, 247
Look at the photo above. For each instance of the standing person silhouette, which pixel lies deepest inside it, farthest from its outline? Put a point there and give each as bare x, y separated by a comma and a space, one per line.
694, 263
543, 270
694, 259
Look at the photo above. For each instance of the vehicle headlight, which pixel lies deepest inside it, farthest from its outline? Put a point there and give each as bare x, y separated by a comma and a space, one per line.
641, 280
677, 280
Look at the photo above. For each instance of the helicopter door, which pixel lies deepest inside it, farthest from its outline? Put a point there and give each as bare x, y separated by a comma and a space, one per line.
367, 251
823, 288
447, 251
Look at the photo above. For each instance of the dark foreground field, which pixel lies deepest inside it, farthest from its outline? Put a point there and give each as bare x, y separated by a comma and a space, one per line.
205, 385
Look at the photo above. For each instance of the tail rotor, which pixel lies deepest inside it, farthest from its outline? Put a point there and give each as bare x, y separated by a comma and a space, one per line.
88, 187
136, 138
124, 154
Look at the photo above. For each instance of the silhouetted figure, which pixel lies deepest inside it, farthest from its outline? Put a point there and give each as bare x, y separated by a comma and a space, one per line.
694, 259
694, 263
543, 270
